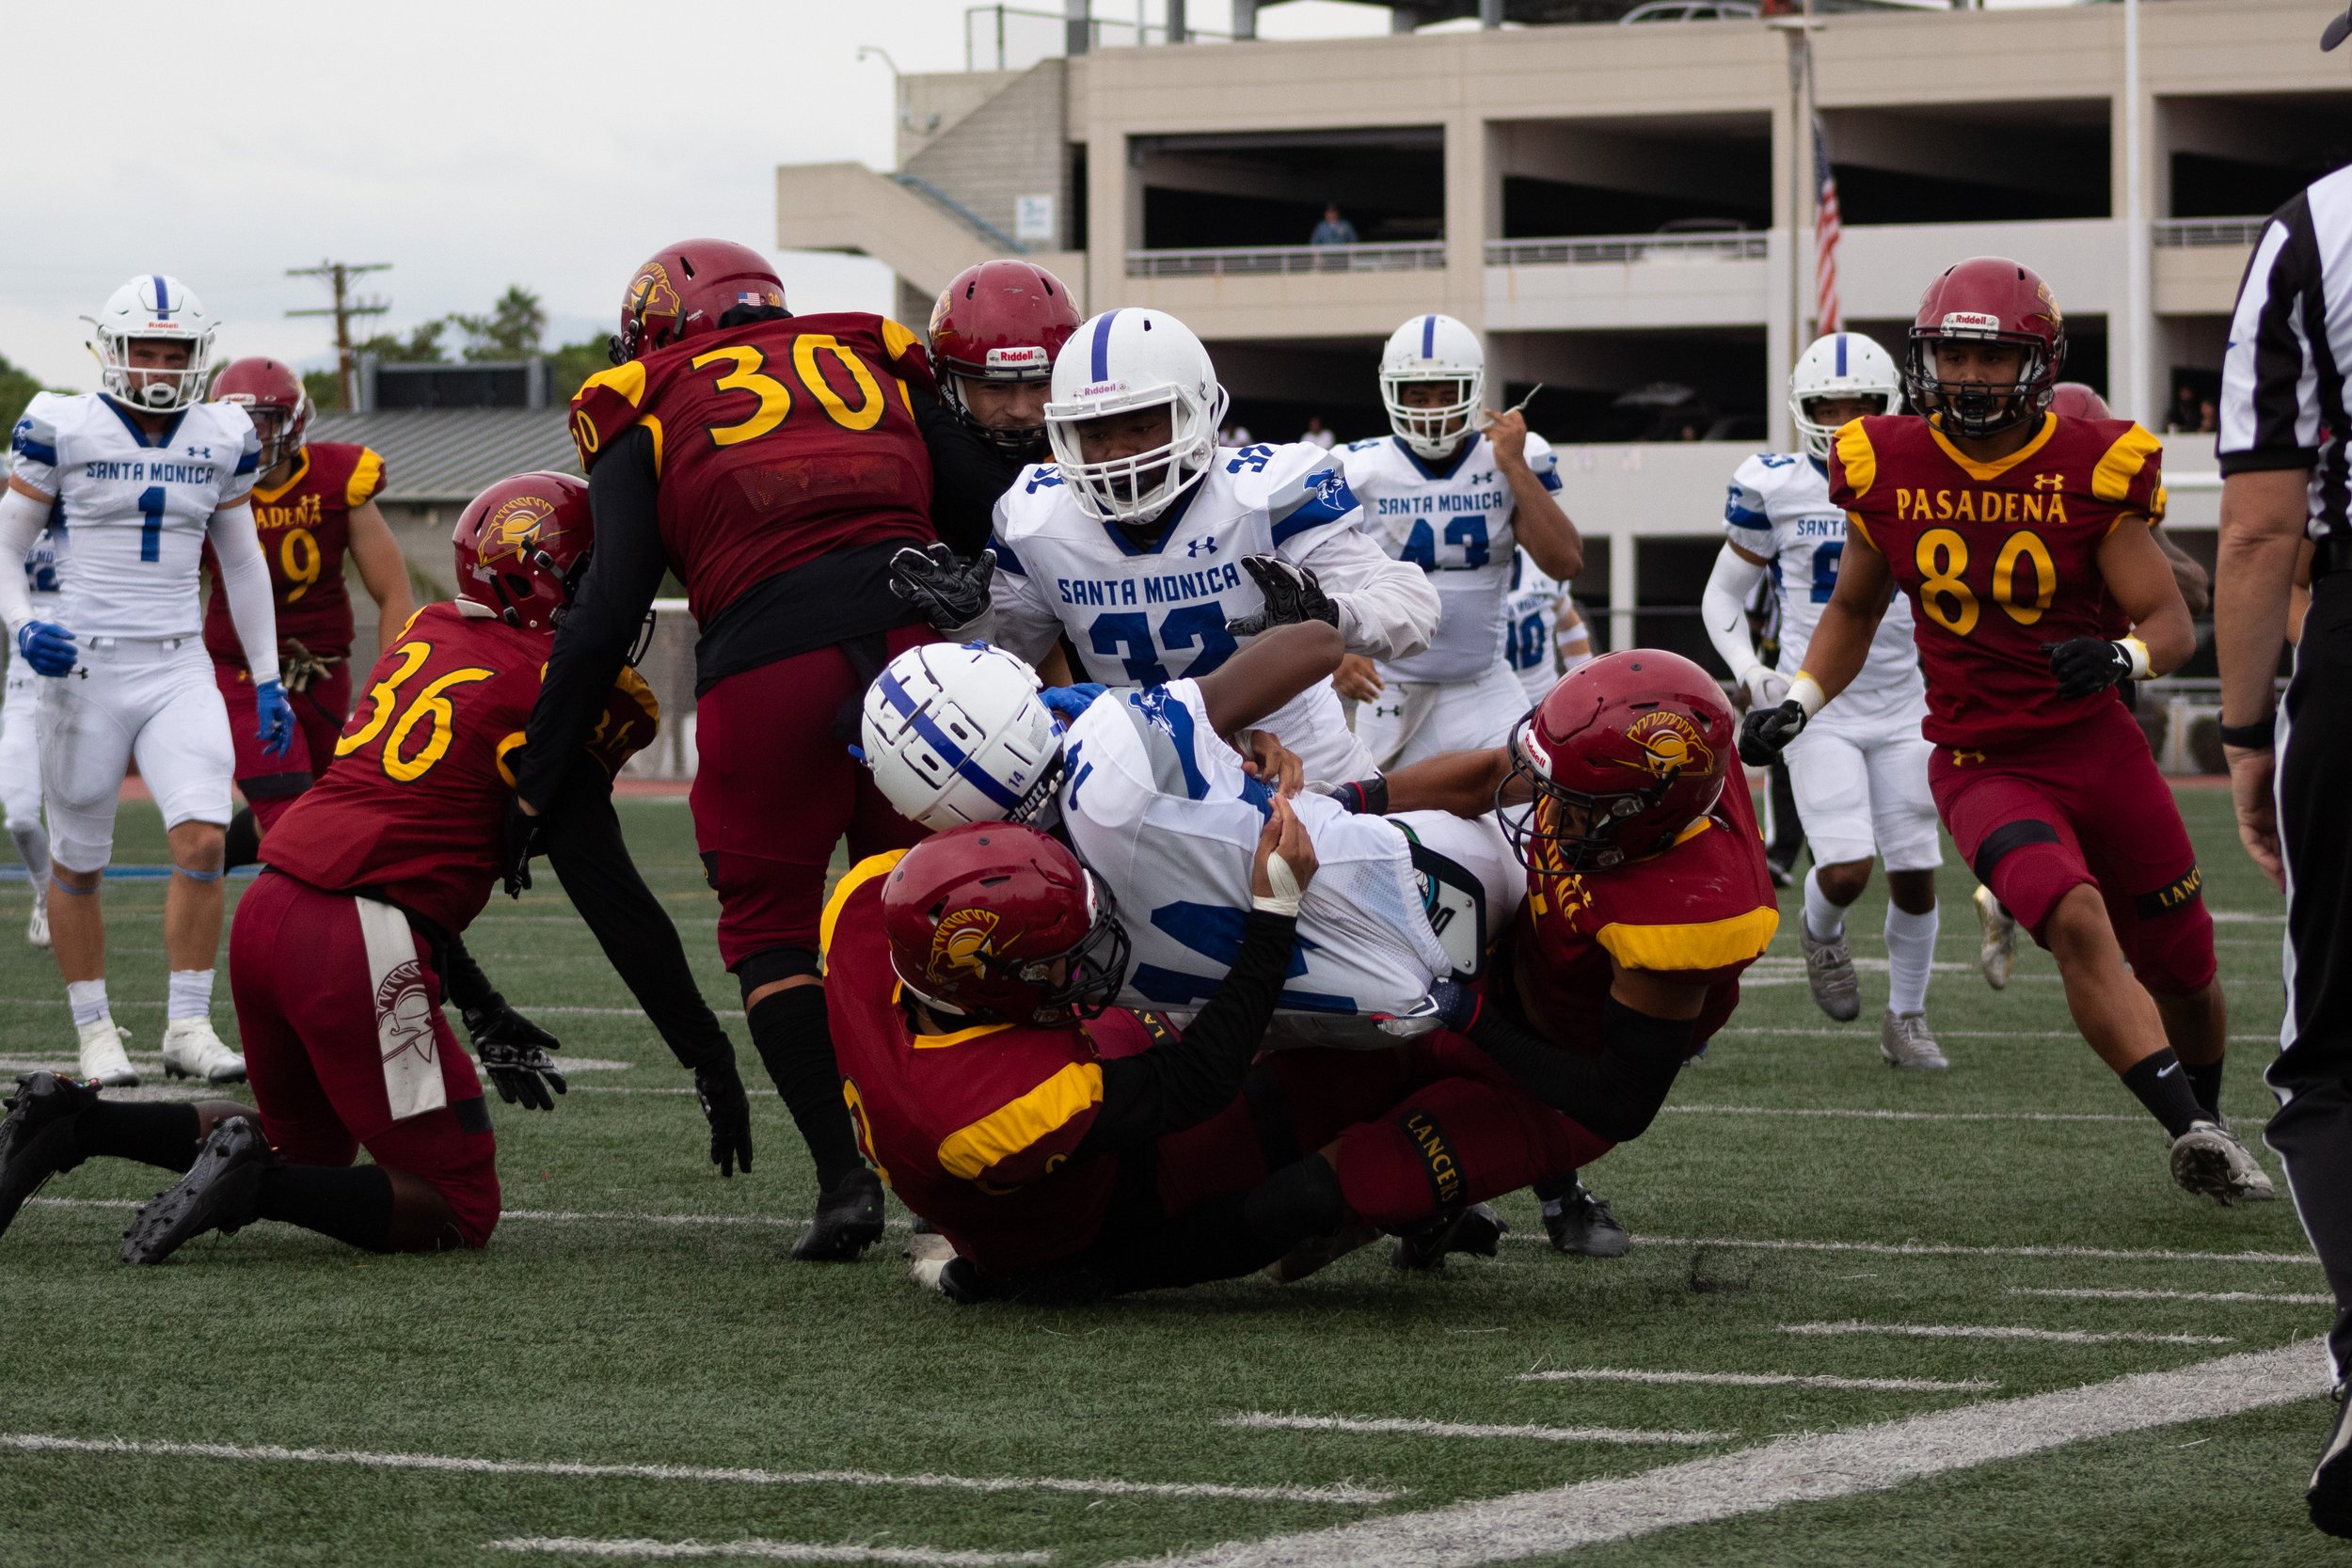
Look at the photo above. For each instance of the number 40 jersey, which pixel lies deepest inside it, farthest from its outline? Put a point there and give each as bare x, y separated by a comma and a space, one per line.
1780, 509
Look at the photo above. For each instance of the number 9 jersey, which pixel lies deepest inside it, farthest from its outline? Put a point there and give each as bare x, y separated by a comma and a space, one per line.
304, 525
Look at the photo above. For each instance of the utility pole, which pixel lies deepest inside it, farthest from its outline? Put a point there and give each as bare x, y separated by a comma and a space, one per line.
339, 275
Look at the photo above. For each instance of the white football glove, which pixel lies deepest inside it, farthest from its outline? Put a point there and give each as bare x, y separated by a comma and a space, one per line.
1766, 688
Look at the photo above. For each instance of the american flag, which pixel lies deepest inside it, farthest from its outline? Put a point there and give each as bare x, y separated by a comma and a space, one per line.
1825, 227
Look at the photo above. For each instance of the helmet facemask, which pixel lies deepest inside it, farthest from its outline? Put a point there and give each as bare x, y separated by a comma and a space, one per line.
1070, 987
153, 389
1435, 431
1567, 829
1021, 443
1138, 487
1979, 409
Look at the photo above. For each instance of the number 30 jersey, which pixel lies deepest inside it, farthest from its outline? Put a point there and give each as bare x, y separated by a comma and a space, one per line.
134, 509
414, 804
305, 526
1780, 509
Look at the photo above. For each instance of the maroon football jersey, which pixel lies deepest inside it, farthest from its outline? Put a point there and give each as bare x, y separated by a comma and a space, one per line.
1702, 910
974, 1130
776, 442
416, 799
1999, 559
305, 526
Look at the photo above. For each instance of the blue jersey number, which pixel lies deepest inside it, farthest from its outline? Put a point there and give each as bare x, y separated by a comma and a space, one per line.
1215, 932
1466, 534
1825, 569
151, 524
1254, 458
1126, 636
1525, 645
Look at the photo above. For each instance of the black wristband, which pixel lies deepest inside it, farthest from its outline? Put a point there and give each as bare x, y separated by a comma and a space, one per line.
1365, 796
2261, 736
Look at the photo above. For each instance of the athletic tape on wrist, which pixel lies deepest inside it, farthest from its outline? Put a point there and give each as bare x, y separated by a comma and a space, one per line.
2139, 652
1807, 693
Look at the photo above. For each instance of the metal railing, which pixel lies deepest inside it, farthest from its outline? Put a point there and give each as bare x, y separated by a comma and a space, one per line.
1619, 249
1260, 261
2203, 233
1014, 38
957, 210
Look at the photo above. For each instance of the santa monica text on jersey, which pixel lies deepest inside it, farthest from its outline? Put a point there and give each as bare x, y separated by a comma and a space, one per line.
1175, 588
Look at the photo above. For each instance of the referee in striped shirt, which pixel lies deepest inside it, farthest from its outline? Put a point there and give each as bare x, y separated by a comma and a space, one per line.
2285, 482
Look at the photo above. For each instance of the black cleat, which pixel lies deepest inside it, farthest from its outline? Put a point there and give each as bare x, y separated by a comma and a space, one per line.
1782, 872
849, 1220
2330, 1494
1582, 1226
37, 1137
1477, 1230
217, 1194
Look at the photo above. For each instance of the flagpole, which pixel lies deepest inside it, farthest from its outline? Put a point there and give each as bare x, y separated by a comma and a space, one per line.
1813, 141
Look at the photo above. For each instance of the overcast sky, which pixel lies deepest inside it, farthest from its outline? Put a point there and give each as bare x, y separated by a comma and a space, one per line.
471, 145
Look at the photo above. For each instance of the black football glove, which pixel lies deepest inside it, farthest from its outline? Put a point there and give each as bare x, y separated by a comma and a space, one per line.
1358, 797
951, 592
2086, 664
1292, 596
513, 1051
719, 1088
520, 837
1765, 732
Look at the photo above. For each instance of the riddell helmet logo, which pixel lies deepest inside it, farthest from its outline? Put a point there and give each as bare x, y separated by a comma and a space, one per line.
1017, 358
962, 942
514, 526
1671, 746
1970, 320
1101, 388
650, 293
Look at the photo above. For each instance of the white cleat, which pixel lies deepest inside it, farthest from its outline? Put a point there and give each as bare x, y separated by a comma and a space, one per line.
1829, 970
2209, 1161
102, 1056
37, 928
1999, 951
1904, 1041
191, 1050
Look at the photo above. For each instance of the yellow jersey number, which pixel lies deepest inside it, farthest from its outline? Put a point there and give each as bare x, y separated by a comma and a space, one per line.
299, 556
429, 711
745, 371
1946, 598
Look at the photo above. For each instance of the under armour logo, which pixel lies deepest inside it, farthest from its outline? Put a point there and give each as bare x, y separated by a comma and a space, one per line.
1205, 545
2049, 481
199, 451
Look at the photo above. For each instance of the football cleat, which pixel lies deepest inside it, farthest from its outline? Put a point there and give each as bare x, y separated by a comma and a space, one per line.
217, 1194
1783, 873
849, 1220
103, 1060
2330, 1494
1582, 1226
1829, 970
1319, 1253
37, 927
37, 1137
2208, 1159
1999, 951
1904, 1041
191, 1050
1477, 1230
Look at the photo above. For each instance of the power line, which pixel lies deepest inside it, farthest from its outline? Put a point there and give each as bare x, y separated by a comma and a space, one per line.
339, 275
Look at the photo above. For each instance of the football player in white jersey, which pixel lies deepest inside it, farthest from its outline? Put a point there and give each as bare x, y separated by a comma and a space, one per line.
1145, 789
19, 748
1157, 554
1454, 490
142, 474
1862, 787
1544, 634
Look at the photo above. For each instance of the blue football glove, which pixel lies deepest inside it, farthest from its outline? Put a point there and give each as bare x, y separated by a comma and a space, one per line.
276, 732
1066, 702
46, 646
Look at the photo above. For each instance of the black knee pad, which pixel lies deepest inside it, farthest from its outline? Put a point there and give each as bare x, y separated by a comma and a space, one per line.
772, 964
1299, 1202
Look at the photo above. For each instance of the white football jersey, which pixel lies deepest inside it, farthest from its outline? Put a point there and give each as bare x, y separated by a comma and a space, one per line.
1158, 806
1531, 625
1780, 509
133, 510
1456, 526
1139, 617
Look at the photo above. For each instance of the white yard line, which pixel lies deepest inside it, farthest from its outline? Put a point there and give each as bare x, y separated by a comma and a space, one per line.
2004, 1331
1858, 1113
269, 1453
1813, 1467
1767, 1380
761, 1550
1259, 1420
2304, 1298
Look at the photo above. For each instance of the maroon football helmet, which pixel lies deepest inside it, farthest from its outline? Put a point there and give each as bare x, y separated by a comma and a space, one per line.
1625, 753
685, 288
2077, 400
273, 394
522, 547
1987, 299
1000, 921
1004, 321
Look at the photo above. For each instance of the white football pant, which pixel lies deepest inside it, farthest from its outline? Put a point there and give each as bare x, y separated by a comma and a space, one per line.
131, 697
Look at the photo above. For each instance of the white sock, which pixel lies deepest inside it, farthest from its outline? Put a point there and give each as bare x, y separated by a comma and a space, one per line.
87, 998
1910, 954
1823, 920
191, 994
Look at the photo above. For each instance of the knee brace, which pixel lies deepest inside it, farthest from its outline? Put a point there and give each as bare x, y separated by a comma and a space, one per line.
2029, 866
2171, 948
772, 964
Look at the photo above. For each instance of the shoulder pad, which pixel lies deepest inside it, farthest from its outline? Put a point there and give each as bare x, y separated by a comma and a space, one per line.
1298, 486
1029, 501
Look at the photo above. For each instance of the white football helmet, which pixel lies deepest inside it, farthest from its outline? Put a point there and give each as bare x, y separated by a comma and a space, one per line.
1122, 360
958, 734
1432, 348
1842, 365
153, 306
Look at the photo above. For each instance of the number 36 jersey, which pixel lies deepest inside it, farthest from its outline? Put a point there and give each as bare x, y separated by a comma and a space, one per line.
305, 526
414, 804
134, 509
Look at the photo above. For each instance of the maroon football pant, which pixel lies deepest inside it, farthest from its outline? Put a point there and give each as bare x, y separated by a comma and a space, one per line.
2035, 822
775, 789
268, 784
307, 1018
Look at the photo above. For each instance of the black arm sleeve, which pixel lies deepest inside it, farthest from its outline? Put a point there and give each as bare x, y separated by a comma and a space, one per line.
967, 477
1178, 1084
462, 980
1616, 1091
586, 850
623, 575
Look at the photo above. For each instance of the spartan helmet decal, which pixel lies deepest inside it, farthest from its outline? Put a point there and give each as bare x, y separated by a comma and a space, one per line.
513, 526
1671, 746
962, 945
401, 1004
650, 293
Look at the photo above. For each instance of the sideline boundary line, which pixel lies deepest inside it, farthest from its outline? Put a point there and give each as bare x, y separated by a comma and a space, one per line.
1766, 1380
2006, 1331
763, 1550
1259, 1420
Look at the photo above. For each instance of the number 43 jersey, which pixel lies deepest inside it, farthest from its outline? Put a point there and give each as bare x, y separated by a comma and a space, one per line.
304, 525
1780, 509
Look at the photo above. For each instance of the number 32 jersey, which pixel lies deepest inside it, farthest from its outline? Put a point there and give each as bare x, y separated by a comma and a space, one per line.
134, 509
1997, 559
1780, 509
305, 527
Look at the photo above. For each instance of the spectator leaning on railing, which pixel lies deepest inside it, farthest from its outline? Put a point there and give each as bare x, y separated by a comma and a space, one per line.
1333, 230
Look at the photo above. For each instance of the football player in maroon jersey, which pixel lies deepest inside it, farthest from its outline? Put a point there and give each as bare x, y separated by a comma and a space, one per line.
993, 335
337, 953
2023, 538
